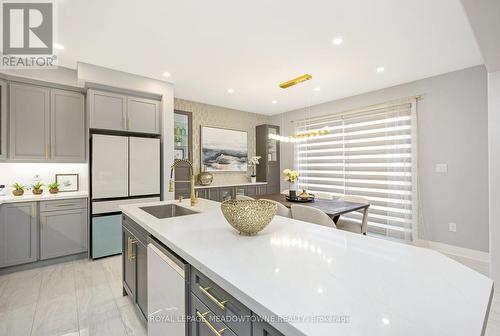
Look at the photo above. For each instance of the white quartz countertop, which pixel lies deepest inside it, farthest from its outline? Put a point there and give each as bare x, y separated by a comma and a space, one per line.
313, 276
228, 185
46, 196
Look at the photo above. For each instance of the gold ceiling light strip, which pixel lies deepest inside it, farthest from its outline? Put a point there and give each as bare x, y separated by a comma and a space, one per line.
301, 137
295, 81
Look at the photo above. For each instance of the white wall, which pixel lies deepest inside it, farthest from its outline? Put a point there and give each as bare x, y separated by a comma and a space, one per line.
25, 173
494, 170
453, 126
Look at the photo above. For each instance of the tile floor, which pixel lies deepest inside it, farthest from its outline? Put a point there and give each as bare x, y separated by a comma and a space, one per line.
76, 298
84, 298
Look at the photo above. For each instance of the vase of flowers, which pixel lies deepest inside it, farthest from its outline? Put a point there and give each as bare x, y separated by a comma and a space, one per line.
254, 161
292, 177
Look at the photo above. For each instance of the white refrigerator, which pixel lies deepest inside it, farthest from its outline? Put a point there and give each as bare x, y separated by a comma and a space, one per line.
123, 170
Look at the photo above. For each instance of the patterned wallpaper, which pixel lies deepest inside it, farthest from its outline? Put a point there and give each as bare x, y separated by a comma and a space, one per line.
216, 116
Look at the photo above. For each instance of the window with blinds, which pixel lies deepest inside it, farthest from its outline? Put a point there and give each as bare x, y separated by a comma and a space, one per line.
369, 153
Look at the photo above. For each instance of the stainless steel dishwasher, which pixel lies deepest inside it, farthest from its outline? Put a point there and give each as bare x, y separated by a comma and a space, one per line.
168, 290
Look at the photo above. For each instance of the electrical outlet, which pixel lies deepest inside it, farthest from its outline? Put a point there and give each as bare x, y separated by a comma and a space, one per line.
452, 227
441, 168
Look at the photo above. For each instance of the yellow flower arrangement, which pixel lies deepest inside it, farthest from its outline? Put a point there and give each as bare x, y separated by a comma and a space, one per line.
291, 176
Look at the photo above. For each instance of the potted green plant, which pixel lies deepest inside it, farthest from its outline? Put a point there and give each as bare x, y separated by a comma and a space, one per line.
53, 188
36, 188
18, 189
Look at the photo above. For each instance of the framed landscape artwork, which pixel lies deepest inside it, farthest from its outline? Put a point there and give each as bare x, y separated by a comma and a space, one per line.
68, 182
224, 150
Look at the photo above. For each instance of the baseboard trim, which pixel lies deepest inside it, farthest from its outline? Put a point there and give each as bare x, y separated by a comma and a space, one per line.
455, 250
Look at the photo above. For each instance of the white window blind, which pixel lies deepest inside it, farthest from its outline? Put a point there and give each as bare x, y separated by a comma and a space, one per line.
369, 153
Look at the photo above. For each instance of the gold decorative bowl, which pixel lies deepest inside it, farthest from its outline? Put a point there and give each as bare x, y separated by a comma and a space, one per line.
248, 216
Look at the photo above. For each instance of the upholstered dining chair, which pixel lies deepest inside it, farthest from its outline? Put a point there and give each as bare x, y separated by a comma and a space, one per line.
243, 197
283, 211
349, 224
311, 215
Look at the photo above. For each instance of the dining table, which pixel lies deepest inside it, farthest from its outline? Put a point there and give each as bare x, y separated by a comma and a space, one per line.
333, 208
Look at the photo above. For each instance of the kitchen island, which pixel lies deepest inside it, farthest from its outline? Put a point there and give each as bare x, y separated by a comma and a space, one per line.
305, 279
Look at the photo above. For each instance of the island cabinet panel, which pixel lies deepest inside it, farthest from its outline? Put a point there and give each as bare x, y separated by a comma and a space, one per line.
202, 193
220, 303
226, 194
206, 322
128, 268
18, 234
135, 264
261, 328
213, 194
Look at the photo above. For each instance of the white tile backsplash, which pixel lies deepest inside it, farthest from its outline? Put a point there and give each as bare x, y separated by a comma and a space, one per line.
25, 173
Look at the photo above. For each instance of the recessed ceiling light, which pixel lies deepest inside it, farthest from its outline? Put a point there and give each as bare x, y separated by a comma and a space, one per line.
166, 74
385, 321
58, 46
274, 102
338, 41
317, 89
380, 69
230, 90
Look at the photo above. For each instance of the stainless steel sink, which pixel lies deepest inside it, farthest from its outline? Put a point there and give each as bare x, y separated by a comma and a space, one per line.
168, 211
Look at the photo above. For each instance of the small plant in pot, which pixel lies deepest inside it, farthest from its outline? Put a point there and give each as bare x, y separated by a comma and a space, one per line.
36, 188
53, 188
18, 189
254, 161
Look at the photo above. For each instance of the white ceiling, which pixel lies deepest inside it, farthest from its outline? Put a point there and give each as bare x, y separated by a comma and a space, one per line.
252, 46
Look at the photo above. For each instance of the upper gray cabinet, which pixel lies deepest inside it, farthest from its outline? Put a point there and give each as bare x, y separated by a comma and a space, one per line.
46, 124
117, 112
67, 117
29, 122
107, 110
143, 115
3, 120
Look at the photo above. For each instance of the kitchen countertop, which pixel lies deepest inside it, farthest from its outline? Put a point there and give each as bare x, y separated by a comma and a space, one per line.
228, 185
296, 269
46, 196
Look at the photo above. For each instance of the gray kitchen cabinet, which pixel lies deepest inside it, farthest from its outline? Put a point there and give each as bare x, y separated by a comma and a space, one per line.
213, 194
3, 120
206, 322
29, 115
128, 265
226, 194
18, 233
141, 253
67, 117
135, 264
143, 115
261, 328
268, 149
107, 110
63, 233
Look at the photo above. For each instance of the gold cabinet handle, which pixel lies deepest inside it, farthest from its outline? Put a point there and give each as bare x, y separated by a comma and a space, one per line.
47, 151
64, 204
220, 304
129, 124
124, 123
130, 254
33, 214
209, 325
53, 151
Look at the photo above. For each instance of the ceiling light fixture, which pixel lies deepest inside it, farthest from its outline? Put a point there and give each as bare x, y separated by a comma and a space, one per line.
230, 90
166, 74
338, 41
300, 137
317, 89
295, 81
380, 69
274, 102
58, 46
